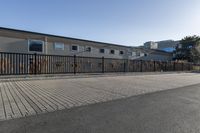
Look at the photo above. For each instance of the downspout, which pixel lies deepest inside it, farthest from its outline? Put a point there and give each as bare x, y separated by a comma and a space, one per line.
45, 43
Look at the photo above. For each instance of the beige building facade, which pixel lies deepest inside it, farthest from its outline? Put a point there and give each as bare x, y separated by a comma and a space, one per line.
18, 41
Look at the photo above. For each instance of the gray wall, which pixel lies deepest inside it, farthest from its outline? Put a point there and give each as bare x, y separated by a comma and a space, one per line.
82, 50
21, 46
155, 57
167, 44
13, 45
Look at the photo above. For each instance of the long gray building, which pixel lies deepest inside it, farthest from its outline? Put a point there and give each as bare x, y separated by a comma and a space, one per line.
19, 41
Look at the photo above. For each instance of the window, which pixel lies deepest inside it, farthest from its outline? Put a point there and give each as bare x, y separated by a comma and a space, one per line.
137, 53
141, 54
121, 52
75, 48
102, 50
112, 51
59, 46
88, 49
36, 45
133, 53
190, 46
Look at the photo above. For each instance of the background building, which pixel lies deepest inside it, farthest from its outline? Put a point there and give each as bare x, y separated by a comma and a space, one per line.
166, 45
151, 45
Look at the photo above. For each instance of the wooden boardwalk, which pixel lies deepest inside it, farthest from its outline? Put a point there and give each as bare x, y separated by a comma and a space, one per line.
24, 98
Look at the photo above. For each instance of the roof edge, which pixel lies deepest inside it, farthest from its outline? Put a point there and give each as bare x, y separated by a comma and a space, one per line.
59, 36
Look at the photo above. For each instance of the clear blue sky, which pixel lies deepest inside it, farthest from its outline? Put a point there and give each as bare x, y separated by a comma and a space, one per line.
126, 22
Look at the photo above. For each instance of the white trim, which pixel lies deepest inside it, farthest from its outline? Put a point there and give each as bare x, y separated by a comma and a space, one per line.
35, 40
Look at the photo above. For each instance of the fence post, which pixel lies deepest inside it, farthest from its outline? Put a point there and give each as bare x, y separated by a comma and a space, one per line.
75, 65
199, 67
154, 66
141, 66
127, 65
124, 65
102, 64
190, 66
182, 66
1, 61
35, 58
174, 66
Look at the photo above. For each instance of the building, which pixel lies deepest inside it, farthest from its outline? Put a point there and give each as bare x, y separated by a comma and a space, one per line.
19, 41
166, 45
156, 55
151, 45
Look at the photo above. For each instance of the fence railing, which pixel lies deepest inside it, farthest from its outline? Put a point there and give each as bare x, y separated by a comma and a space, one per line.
21, 63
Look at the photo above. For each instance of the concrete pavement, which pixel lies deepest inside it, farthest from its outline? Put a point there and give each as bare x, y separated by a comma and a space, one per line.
169, 111
24, 98
31, 97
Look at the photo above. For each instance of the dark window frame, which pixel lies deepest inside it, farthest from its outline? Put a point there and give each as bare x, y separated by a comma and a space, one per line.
73, 46
39, 49
112, 51
121, 52
102, 50
88, 49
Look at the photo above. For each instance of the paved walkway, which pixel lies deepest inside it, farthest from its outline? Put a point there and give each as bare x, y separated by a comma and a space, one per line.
25, 97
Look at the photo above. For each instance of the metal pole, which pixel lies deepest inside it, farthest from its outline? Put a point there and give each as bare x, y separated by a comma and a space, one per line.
102, 64
35, 55
75, 65
182, 65
127, 66
124, 65
199, 67
174, 66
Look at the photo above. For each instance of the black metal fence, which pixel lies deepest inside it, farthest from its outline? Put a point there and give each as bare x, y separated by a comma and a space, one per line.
20, 63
